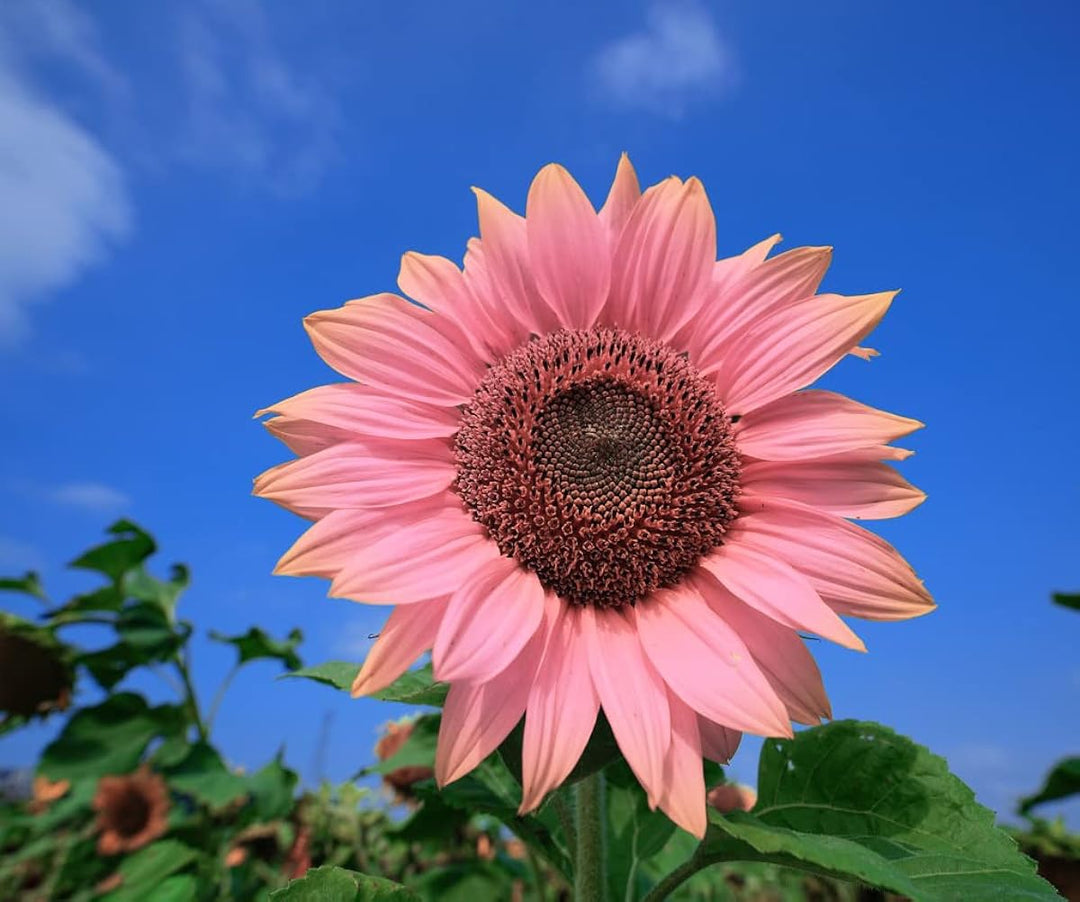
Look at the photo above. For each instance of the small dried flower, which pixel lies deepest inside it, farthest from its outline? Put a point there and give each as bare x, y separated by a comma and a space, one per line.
732, 797
401, 779
46, 792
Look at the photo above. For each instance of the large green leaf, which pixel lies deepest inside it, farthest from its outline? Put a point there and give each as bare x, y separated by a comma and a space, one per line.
132, 546
857, 801
146, 870
203, 775
256, 644
1061, 782
472, 882
333, 884
109, 738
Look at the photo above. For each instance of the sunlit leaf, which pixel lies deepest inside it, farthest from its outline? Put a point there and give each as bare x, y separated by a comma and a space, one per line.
132, 546
857, 801
339, 674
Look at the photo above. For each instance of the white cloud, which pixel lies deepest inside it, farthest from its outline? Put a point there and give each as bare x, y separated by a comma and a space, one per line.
63, 195
247, 109
90, 496
677, 57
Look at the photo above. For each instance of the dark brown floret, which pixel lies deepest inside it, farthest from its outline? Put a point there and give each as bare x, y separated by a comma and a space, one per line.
602, 461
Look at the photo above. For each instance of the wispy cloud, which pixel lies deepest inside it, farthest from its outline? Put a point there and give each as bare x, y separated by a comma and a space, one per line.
679, 57
90, 496
247, 109
63, 194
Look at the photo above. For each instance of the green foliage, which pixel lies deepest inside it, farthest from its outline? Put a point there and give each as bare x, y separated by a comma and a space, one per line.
144, 872
203, 775
109, 738
1068, 600
414, 687
1062, 782
256, 644
28, 584
339, 674
857, 801
334, 884
115, 558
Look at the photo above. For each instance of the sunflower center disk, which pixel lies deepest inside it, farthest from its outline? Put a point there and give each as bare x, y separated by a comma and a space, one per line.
602, 461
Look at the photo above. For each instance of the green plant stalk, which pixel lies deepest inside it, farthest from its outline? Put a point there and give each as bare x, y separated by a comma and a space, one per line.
590, 880
674, 880
219, 697
190, 699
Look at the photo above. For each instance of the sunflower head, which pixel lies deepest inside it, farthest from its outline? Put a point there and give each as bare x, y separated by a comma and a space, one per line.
36, 674
132, 810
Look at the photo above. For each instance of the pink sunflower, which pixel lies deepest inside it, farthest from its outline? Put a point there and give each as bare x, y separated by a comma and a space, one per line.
587, 475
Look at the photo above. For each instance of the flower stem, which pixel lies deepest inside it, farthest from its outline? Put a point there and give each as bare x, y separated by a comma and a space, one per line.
590, 881
673, 880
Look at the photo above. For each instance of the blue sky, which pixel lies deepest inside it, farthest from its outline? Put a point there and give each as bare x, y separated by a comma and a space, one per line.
180, 184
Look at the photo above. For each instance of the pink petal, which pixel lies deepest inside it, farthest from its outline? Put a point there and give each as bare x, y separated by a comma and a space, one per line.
776, 589
328, 545
856, 572
860, 489
437, 283
360, 475
718, 743
562, 709
817, 423
363, 411
683, 798
415, 563
706, 663
492, 614
304, 436
621, 199
385, 341
409, 631
776, 283
477, 717
790, 348
508, 269
632, 694
664, 258
779, 651
568, 248
730, 271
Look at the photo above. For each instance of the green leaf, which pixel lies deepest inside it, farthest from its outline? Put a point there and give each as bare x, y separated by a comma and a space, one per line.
333, 884
255, 644
148, 868
856, 801
1061, 782
1067, 600
140, 584
30, 584
600, 751
634, 832
109, 738
203, 775
434, 821
117, 557
272, 790
415, 687
339, 674
79, 608
492, 789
